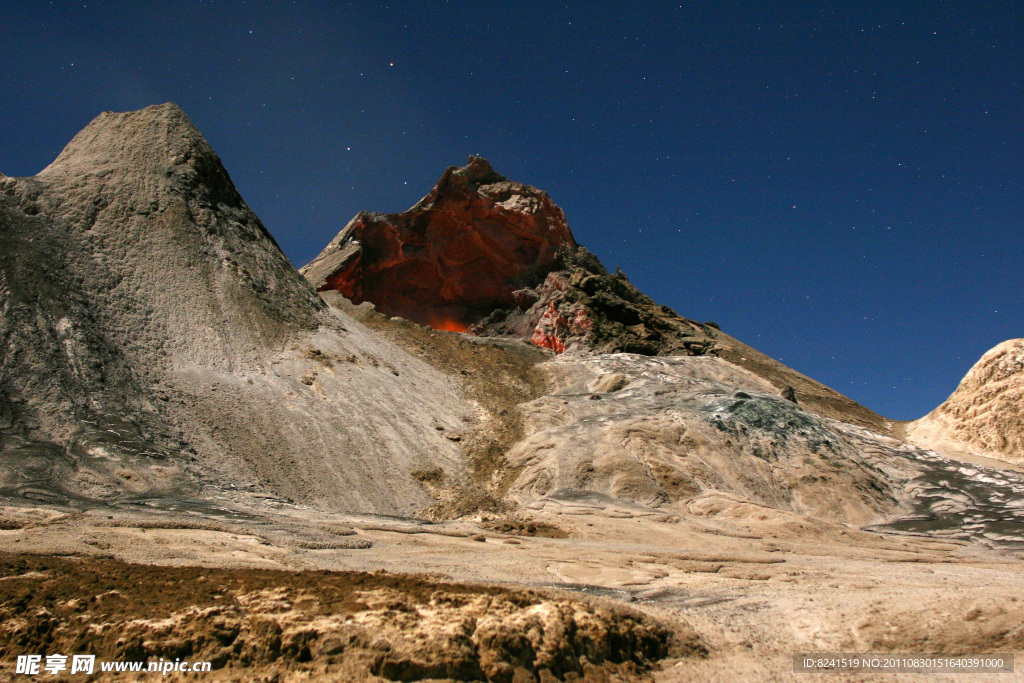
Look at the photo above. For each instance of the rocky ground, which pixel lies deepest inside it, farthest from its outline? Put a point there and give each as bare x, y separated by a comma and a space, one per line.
315, 625
724, 587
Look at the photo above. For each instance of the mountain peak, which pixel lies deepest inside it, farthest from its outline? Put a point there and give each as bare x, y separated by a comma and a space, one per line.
455, 256
477, 171
986, 412
158, 136
143, 197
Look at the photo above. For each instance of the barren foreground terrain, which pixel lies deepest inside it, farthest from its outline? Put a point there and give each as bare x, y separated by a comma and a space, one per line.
591, 588
572, 584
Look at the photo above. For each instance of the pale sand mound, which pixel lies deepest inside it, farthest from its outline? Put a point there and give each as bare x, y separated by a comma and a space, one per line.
658, 431
985, 414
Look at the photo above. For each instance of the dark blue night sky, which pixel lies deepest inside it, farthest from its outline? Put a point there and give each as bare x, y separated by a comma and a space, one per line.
838, 184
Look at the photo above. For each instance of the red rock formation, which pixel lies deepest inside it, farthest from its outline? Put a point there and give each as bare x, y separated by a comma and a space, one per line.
459, 253
551, 330
485, 255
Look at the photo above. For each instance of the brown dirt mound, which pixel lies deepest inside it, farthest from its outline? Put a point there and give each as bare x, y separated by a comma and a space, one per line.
321, 625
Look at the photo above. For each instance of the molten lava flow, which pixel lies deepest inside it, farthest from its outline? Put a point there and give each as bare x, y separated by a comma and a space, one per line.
447, 325
548, 341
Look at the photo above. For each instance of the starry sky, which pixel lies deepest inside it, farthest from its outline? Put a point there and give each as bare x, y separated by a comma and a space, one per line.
839, 184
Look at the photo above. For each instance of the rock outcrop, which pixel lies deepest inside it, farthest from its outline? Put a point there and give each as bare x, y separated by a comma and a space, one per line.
495, 257
580, 306
451, 259
985, 414
663, 431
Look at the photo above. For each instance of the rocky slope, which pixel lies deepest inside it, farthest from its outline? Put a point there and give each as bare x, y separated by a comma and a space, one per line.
662, 431
155, 341
645, 407
985, 414
462, 260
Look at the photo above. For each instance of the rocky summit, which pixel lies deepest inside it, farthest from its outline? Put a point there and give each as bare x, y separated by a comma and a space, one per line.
563, 298
478, 453
459, 253
496, 257
986, 412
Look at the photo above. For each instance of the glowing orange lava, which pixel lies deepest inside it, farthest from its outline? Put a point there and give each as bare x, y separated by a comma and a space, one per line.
448, 325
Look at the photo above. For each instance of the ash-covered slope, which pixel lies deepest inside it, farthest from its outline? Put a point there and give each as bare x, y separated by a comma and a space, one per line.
154, 339
985, 415
496, 257
191, 272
